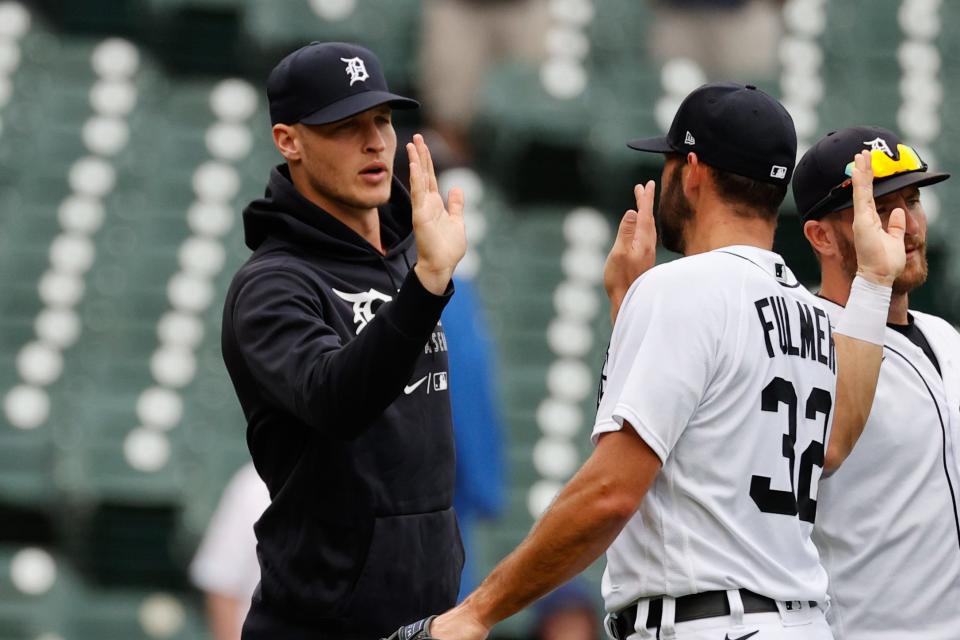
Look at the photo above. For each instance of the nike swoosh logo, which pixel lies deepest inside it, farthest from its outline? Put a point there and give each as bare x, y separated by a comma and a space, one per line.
413, 387
727, 636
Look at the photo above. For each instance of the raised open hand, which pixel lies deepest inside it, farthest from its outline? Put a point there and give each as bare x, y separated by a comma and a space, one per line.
439, 231
881, 254
634, 250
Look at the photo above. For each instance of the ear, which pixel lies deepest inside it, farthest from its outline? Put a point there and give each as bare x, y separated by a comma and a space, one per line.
692, 178
821, 236
287, 141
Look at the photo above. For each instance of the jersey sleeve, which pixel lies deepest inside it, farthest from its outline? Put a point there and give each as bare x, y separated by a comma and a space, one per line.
663, 353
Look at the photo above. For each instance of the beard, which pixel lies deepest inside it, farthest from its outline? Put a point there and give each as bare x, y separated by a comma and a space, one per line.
914, 273
673, 214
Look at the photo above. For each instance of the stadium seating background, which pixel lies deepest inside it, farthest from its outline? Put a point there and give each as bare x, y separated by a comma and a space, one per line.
99, 514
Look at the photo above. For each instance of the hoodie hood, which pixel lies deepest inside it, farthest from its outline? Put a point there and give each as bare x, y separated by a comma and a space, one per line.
285, 212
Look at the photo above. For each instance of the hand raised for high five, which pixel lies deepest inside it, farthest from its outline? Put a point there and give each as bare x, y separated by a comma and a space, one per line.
634, 250
881, 255
439, 231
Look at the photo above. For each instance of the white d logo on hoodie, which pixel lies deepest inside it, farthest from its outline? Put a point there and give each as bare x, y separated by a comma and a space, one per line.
363, 305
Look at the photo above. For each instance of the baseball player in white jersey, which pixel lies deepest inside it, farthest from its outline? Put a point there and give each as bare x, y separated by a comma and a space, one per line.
887, 524
719, 391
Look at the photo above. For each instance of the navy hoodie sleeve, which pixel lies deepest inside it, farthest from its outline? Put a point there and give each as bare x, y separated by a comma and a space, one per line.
301, 364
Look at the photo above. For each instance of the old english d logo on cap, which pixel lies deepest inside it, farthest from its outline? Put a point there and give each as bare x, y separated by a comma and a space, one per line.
821, 183
324, 82
356, 69
879, 144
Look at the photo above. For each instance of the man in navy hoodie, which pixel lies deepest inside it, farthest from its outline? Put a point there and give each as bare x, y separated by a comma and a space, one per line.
332, 339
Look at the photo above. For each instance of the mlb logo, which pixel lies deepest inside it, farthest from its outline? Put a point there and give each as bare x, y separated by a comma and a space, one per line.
778, 172
780, 272
440, 381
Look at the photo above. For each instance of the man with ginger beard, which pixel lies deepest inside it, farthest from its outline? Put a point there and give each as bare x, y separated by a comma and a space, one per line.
887, 523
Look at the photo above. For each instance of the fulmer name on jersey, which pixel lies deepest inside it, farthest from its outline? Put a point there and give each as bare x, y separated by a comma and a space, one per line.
813, 339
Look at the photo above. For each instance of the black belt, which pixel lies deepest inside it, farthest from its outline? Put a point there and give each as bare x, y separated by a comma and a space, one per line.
709, 604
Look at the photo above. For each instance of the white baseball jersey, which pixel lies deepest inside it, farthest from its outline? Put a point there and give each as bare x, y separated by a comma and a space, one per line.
725, 366
887, 526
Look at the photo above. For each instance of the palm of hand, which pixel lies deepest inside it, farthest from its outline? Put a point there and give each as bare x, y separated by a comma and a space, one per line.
439, 230
441, 236
634, 250
878, 252
881, 254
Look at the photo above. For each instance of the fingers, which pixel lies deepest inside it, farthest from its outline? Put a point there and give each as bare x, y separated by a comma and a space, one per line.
455, 202
646, 226
897, 224
626, 231
431, 172
644, 195
416, 175
863, 205
426, 161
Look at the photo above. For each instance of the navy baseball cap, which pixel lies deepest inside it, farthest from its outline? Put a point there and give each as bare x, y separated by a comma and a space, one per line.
733, 127
823, 181
328, 81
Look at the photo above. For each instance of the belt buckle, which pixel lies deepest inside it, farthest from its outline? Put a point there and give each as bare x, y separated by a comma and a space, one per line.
793, 605
611, 625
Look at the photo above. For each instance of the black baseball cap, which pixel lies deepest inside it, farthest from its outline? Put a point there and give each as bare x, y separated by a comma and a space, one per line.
328, 81
733, 127
822, 183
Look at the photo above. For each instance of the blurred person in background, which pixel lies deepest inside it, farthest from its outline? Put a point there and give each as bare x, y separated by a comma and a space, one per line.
461, 40
332, 339
888, 527
477, 424
727, 38
567, 613
225, 566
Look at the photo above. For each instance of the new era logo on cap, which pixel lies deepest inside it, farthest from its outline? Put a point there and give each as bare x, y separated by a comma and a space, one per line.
740, 129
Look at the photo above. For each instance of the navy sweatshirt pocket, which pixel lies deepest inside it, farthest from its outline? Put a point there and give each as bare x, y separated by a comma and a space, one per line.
412, 570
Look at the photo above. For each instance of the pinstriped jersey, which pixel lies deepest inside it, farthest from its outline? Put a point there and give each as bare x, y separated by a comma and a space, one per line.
888, 528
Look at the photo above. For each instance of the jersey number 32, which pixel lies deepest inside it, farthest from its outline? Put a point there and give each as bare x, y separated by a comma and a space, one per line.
796, 501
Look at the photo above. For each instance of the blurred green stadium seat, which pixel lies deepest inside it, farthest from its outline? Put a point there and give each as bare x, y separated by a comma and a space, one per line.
134, 530
26, 457
135, 614
390, 27
42, 596
36, 588
213, 5
618, 33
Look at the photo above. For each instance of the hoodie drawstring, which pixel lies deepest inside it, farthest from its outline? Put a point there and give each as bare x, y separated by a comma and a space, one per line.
393, 281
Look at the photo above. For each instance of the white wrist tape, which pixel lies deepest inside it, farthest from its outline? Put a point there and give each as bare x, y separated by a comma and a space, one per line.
865, 316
